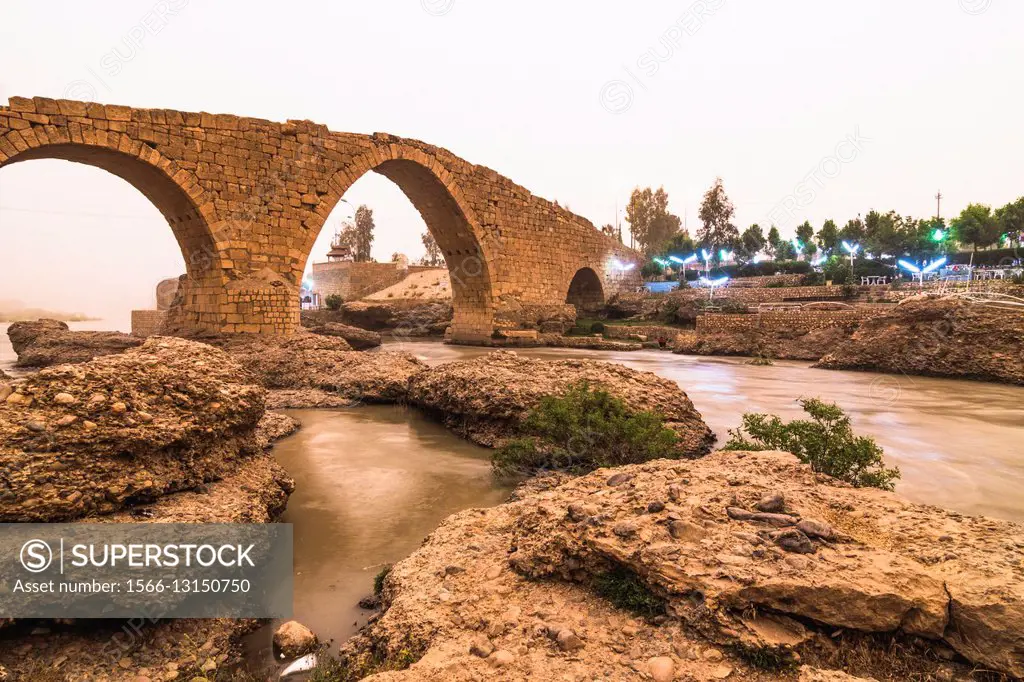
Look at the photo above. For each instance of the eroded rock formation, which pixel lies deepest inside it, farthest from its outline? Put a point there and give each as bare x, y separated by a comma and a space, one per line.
487, 398
96, 437
49, 342
948, 337
357, 338
512, 592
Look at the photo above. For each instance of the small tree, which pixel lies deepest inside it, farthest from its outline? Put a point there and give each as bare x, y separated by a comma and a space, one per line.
1011, 220
333, 301
716, 212
828, 236
976, 226
649, 218
363, 233
774, 240
433, 255
752, 241
825, 441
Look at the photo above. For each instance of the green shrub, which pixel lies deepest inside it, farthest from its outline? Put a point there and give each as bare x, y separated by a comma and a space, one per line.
597, 328
378, 580
825, 441
582, 430
625, 590
334, 301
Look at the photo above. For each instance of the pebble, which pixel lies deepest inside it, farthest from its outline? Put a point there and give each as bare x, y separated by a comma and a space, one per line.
661, 668
482, 648
655, 507
721, 672
619, 479
64, 399
36, 426
815, 529
501, 658
712, 655
686, 531
66, 420
624, 529
793, 540
772, 503
118, 408
675, 492
5, 391
569, 641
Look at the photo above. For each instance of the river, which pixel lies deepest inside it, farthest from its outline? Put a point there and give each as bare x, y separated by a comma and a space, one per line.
372, 482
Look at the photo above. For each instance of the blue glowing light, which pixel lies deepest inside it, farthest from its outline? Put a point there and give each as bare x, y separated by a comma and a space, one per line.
713, 282
934, 265
851, 249
625, 267
907, 265
705, 254
661, 261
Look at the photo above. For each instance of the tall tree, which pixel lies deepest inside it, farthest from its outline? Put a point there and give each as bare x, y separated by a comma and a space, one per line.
805, 235
1011, 220
853, 231
650, 220
363, 233
716, 212
752, 241
774, 240
828, 236
976, 226
433, 256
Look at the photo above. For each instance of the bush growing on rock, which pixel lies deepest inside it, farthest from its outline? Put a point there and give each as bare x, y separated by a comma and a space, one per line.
333, 302
825, 441
582, 430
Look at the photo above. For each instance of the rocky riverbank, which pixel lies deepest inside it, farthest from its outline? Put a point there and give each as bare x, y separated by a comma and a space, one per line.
739, 566
170, 431
778, 344
948, 337
488, 398
50, 342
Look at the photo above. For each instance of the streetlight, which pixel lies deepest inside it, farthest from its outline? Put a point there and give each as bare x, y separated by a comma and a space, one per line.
707, 261
938, 235
921, 272
712, 283
851, 249
683, 261
725, 256
797, 246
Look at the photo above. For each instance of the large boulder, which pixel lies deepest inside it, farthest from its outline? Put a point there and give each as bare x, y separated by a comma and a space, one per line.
119, 430
359, 339
49, 342
949, 337
309, 370
723, 586
489, 397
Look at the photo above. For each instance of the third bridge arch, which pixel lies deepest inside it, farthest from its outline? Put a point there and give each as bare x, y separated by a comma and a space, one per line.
261, 191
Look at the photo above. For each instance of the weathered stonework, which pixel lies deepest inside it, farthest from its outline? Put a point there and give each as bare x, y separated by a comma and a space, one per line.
246, 199
776, 320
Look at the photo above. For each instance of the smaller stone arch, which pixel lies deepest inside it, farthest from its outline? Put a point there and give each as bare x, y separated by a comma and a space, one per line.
586, 291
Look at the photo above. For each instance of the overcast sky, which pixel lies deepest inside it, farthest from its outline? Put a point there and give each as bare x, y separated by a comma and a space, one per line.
807, 109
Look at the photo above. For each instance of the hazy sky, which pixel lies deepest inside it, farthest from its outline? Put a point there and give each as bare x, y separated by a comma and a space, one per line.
807, 109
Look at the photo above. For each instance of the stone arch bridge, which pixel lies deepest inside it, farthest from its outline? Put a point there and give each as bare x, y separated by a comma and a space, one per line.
246, 199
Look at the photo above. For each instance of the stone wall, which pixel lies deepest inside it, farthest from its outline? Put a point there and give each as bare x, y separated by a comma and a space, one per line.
147, 322
755, 296
767, 280
246, 199
652, 332
352, 280
801, 321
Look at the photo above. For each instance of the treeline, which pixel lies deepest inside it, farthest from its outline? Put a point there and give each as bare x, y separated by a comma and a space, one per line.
658, 233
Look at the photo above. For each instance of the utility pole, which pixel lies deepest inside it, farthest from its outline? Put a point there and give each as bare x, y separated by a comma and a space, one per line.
938, 205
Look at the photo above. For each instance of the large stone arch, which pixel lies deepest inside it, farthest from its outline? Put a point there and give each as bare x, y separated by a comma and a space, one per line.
448, 216
585, 291
171, 189
167, 186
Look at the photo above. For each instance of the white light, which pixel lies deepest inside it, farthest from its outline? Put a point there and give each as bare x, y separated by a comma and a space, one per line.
618, 265
820, 259
707, 256
851, 248
761, 258
676, 259
909, 266
713, 282
725, 255
932, 267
